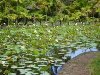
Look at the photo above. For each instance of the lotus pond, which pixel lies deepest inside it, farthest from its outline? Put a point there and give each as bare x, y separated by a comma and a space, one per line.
32, 50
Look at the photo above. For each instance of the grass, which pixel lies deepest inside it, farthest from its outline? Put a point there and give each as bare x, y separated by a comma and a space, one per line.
95, 66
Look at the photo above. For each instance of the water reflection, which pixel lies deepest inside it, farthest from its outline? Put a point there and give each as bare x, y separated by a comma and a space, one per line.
80, 51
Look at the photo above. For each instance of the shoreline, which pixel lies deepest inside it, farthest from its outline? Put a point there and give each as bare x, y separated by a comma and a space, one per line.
79, 64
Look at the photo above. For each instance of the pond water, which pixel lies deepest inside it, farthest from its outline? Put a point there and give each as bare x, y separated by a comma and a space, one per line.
73, 55
80, 51
49, 64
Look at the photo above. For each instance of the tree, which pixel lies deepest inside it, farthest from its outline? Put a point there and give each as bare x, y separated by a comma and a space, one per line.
14, 10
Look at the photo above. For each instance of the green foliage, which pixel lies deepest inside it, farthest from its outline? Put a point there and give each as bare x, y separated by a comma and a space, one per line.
35, 48
95, 66
14, 9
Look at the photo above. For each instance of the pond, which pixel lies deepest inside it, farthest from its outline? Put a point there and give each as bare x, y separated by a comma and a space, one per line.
25, 63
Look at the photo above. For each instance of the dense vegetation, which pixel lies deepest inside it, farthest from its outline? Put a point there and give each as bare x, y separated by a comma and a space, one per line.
48, 10
40, 33
33, 49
